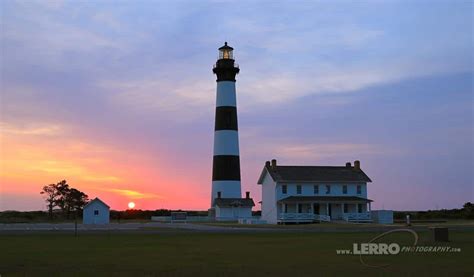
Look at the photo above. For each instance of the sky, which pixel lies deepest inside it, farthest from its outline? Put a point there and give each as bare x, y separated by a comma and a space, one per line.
118, 97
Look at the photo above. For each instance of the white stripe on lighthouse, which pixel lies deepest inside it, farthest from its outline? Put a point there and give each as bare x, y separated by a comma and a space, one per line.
226, 142
228, 189
226, 94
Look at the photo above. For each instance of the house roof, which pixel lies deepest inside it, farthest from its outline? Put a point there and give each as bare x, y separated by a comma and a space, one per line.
234, 202
96, 200
324, 174
325, 199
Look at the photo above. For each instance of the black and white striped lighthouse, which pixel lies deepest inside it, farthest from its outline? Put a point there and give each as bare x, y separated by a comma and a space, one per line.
226, 162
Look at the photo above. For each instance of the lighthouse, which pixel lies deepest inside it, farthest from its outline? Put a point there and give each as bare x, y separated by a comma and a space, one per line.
226, 187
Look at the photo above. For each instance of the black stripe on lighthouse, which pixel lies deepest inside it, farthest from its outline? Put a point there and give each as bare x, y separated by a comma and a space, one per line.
226, 167
226, 118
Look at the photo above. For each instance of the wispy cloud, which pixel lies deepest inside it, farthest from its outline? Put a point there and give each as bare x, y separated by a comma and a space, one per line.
160, 94
325, 150
133, 194
41, 129
279, 88
298, 152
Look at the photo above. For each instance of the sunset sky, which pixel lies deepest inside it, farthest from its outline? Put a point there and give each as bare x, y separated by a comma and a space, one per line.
118, 97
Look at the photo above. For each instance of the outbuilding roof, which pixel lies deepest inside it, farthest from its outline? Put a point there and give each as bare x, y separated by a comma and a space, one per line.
96, 200
234, 202
323, 174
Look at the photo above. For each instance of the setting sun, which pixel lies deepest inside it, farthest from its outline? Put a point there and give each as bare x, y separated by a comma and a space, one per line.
131, 205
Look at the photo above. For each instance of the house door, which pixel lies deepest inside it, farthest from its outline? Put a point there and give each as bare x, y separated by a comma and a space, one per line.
235, 212
315, 208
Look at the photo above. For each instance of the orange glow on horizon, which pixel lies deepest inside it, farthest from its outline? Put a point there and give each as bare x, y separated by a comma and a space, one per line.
32, 159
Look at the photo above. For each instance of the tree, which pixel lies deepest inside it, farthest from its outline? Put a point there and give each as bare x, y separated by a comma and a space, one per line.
75, 200
61, 195
51, 193
468, 210
63, 191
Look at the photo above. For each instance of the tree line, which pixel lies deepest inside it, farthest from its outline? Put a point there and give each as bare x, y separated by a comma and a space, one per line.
61, 195
466, 212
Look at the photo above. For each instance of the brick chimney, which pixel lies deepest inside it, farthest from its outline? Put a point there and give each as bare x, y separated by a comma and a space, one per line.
348, 164
357, 164
274, 164
267, 164
247, 194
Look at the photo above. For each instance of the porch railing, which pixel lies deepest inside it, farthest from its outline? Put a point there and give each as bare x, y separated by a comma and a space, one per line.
356, 216
303, 217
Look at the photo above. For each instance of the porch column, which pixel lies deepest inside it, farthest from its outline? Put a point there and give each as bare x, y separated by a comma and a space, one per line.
282, 207
297, 208
342, 209
327, 208
312, 207
369, 207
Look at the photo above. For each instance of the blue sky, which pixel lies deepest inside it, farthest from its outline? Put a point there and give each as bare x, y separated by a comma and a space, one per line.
321, 83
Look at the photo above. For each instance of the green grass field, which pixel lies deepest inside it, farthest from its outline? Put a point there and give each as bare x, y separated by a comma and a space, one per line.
224, 254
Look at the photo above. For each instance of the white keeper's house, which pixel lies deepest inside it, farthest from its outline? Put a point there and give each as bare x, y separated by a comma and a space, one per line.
314, 193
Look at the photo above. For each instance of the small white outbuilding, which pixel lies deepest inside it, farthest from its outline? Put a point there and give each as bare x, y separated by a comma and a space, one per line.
233, 208
96, 212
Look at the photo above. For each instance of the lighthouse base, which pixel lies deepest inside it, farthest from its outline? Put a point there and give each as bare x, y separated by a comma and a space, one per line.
211, 213
232, 209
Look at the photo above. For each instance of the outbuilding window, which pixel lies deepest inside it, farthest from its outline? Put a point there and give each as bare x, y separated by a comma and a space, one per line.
96, 212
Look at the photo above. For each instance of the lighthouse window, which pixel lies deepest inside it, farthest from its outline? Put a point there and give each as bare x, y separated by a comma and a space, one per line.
225, 54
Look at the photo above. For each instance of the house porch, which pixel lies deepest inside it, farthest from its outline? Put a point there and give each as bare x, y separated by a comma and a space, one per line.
301, 210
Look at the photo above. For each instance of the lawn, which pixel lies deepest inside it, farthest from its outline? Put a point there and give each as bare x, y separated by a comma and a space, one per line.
223, 254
